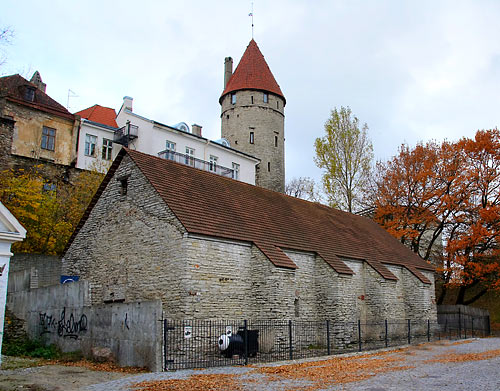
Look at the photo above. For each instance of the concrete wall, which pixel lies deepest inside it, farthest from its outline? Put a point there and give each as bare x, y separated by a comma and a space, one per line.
62, 315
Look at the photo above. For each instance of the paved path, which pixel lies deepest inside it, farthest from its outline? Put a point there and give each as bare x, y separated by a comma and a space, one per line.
456, 375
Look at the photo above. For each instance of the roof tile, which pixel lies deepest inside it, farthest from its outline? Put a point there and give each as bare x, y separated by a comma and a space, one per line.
252, 73
99, 114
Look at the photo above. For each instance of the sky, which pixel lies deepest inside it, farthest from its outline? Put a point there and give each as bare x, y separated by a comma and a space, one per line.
414, 71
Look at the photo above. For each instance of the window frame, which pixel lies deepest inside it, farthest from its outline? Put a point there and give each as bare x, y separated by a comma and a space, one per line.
189, 160
48, 139
236, 171
265, 97
107, 149
233, 98
212, 164
88, 150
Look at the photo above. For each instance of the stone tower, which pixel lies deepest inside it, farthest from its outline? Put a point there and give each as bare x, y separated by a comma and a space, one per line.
252, 117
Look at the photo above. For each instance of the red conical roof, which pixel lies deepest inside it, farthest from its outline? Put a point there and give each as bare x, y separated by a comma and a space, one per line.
252, 73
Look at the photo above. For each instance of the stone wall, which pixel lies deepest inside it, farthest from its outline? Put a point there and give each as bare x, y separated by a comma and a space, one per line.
63, 315
266, 120
29, 271
133, 248
27, 134
130, 248
6, 132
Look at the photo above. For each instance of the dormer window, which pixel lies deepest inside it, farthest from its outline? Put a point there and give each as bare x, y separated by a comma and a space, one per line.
266, 97
233, 99
29, 94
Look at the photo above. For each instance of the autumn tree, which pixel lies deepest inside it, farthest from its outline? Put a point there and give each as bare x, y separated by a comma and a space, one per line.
443, 201
345, 153
304, 188
49, 210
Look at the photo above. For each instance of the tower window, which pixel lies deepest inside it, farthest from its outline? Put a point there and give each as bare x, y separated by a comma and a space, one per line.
266, 97
233, 99
251, 99
275, 141
269, 166
252, 138
227, 116
277, 104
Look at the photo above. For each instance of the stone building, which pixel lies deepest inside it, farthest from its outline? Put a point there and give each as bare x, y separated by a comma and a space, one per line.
252, 115
42, 129
212, 247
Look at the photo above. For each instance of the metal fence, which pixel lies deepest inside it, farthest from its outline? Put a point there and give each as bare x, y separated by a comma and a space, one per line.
209, 343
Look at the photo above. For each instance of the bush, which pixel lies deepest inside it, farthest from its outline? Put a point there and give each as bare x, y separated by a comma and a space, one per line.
30, 348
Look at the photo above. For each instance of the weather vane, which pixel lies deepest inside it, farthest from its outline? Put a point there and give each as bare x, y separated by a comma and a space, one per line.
251, 14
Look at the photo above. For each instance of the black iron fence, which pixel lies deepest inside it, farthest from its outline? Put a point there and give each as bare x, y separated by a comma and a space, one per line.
208, 343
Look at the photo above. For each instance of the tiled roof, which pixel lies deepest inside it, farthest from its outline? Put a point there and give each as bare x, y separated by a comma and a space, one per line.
209, 204
14, 88
252, 73
100, 114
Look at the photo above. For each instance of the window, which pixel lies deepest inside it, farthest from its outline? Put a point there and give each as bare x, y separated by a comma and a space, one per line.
269, 166
170, 147
212, 166
29, 94
123, 186
90, 144
189, 156
233, 99
275, 141
251, 99
277, 104
48, 138
236, 171
252, 138
266, 97
107, 149
47, 187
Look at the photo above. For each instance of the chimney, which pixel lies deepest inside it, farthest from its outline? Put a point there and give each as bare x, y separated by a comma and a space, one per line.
127, 102
36, 79
196, 130
228, 70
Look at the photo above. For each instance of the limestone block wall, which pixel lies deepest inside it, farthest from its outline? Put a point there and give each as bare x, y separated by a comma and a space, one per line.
267, 121
130, 247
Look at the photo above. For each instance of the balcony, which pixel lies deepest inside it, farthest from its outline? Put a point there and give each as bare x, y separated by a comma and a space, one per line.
126, 134
196, 163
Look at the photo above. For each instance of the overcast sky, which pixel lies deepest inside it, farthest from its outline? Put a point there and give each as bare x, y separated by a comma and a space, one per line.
412, 70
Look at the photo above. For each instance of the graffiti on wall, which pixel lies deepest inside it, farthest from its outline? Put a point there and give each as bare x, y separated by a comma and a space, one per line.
66, 326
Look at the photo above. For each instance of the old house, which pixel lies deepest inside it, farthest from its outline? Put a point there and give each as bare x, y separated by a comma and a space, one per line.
212, 247
40, 128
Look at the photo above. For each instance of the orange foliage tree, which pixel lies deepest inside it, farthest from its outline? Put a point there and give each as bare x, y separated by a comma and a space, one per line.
49, 211
443, 201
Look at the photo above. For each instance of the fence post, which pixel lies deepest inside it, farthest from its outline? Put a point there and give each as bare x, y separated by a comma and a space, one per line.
409, 332
488, 330
328, 337
465, 327
459, 324
245, 325
386, 333
164, 344
472, 327
428, 330
359, 334
290, 338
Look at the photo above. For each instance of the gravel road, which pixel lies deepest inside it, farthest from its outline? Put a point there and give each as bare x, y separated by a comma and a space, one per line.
453, 371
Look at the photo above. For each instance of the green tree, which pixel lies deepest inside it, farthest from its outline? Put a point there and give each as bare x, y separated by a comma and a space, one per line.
346, 154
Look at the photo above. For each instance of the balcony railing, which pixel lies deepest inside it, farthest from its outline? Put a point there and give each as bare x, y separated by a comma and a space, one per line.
196, 163
126, 134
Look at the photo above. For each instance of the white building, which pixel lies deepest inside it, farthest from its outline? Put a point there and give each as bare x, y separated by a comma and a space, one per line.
177, 143
95, 149
10, 231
